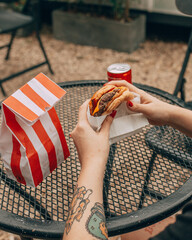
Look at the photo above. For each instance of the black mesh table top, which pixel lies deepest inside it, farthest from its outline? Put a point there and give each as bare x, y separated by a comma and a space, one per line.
148, 177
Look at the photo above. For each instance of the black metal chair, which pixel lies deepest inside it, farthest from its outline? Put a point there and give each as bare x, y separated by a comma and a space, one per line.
10, 22
184, 6
154, 138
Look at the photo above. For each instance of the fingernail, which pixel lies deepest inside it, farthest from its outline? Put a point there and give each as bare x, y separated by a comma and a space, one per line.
113, 114
130, 104
105, 84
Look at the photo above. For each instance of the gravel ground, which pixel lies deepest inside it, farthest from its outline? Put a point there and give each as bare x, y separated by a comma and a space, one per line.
156, 63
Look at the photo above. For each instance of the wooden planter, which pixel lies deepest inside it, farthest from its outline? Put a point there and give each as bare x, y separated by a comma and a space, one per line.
103, 33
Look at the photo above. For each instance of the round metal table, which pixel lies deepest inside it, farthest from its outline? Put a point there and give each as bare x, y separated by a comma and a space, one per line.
148, 177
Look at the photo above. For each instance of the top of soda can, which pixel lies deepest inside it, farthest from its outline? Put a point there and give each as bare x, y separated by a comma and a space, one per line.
118, 68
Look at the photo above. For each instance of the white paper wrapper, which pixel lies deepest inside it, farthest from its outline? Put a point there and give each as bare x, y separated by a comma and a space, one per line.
125, 123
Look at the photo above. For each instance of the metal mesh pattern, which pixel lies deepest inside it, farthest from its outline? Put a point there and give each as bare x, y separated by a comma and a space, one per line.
137, 175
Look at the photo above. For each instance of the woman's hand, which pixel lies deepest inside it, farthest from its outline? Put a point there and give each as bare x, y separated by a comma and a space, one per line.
157, 112
92, 147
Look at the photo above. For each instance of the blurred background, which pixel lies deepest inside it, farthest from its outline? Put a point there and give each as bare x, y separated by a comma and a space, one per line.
76, 36
157, 60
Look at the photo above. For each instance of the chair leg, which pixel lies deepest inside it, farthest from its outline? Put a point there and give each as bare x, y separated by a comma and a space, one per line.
107, 177
182, 90
147, 178
10, 45
3, 90
43, 50
181, 80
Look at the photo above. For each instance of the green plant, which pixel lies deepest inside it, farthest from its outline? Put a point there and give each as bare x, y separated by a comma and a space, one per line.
127, 11
121, 9
18, 5
73, 4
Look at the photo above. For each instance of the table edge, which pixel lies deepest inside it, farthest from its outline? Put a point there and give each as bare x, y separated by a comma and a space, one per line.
116, 225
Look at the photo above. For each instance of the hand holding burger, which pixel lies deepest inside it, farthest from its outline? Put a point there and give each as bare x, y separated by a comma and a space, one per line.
108, 98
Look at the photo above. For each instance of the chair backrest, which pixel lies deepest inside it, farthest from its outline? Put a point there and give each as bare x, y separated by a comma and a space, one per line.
25, 7
184, 6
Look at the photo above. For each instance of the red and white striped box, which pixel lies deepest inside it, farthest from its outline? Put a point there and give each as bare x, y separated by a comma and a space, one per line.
32, 142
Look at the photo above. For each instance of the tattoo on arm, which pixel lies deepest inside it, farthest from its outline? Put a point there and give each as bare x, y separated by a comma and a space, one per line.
96, 223
78, 206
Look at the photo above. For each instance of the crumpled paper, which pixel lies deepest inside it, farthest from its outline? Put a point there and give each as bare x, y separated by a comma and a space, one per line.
125, 123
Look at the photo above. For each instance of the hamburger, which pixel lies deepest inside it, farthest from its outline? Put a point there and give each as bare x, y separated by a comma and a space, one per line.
107, 99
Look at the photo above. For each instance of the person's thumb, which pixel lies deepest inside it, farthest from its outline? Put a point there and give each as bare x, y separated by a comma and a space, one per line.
135, 107
107, 123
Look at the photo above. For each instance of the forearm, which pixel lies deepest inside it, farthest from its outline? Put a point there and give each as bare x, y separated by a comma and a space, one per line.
86, 218
181, 119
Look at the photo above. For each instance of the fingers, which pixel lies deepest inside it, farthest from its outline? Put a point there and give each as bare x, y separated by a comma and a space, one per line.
145, 97
82, 120
137, 107
118, 83
83, 111
107, 123
126, 84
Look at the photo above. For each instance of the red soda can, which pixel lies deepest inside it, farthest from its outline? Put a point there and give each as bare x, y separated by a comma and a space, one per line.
119, 71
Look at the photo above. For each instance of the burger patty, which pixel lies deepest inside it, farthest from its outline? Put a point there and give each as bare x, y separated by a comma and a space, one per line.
105, 99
